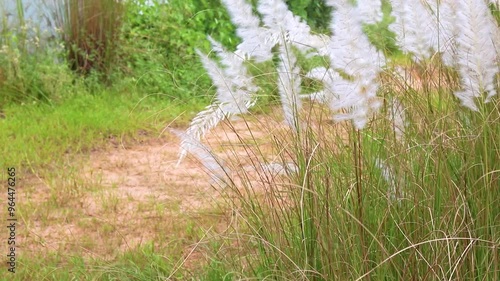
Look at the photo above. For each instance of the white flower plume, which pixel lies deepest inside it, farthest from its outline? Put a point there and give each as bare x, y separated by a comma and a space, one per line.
235, 95
289, 86
370, 11
464, 31
395, 192
280, 26
274, 168
214, 166
284, 24
477, 46
350, 51
397, 115
329, 77
449, 31
255, 43
415, 28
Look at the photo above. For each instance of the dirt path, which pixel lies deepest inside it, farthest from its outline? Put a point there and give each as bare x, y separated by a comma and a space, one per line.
128, 196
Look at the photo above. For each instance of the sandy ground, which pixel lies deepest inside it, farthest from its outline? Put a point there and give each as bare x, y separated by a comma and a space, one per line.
126, 196
121, 196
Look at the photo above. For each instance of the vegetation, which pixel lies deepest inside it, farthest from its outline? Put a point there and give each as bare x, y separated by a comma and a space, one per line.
410, 195
403, 184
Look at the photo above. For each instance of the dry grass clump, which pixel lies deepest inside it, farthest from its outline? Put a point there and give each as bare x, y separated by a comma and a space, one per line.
91, 33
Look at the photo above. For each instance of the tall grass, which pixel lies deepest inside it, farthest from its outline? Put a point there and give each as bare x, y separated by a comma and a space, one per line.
27, 68
411, 193
91, 33
368, 205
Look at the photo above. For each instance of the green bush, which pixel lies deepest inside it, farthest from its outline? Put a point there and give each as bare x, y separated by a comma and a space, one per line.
158, 45
178, 26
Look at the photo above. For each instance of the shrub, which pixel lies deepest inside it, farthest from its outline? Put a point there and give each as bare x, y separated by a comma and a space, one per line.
159, 40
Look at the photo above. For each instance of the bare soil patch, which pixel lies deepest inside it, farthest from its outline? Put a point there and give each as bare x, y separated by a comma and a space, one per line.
129, 195
119, 199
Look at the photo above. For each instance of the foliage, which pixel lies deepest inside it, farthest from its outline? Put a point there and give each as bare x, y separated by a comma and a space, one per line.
179, 26
159, 41
29, 68
28, 76
315, 12
131, 45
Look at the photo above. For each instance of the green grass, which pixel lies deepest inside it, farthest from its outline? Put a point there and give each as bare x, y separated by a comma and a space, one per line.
145, 263
41, 134
152, 260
